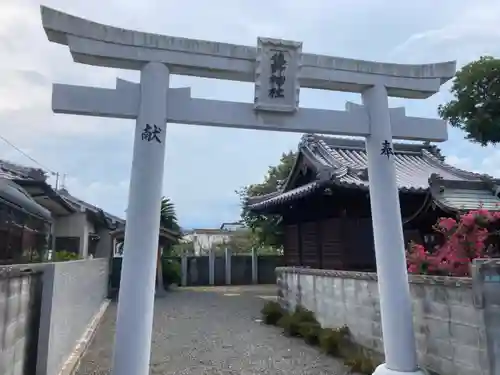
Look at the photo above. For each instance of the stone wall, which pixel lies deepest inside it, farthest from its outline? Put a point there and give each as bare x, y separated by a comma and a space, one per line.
73, 293
449, 325
20, 293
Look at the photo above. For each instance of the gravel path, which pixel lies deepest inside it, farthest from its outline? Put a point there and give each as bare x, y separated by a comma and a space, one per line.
214, 331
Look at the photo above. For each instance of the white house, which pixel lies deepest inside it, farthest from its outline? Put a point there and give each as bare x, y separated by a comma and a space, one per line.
231, 227
90, 224
204, 239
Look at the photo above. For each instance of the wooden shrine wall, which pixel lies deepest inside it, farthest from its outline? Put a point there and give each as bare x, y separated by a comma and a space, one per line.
334, 243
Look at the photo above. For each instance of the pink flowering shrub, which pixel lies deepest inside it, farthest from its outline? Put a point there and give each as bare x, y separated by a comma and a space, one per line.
464, 240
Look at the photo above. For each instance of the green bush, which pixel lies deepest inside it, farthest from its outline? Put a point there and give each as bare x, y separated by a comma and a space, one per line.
291, 322
290, 325
360, 362
304, 315
335, 342
344, 332
171, 272
64, 256
310, 332
331, 340
272, 313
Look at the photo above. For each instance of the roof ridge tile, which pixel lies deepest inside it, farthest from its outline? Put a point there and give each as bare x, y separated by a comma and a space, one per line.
429, 156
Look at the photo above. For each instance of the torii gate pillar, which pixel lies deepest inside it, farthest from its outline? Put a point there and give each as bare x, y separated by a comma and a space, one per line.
137, 288
394, 291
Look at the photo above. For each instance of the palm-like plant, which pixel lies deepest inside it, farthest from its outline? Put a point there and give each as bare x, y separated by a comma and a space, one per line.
168, 220
168, 217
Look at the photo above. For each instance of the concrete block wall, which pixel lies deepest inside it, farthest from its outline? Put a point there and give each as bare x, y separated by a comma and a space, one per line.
17, 291
73, 293
450, 329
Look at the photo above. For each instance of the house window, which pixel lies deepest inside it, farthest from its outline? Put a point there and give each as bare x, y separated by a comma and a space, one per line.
20, 236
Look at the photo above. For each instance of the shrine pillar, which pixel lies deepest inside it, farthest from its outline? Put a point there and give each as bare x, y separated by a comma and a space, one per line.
137, 287
394, 292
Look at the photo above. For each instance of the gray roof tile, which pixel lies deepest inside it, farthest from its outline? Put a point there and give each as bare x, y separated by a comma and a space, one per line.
469, 199
414, 164
13, 171
346, 162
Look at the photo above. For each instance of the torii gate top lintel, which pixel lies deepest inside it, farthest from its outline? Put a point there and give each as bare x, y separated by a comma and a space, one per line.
101, 45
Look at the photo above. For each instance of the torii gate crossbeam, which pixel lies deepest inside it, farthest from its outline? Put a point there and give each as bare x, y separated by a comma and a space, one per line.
124, 100
279, 69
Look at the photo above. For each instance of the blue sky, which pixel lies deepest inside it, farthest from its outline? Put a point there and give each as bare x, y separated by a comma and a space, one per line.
204, 166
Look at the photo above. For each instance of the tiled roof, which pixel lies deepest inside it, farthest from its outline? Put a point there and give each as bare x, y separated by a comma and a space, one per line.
235, 225
79, 203
13, 193
343, 162
287, 196
468, 199
13, 171
414, 163
465, 195
34, 182
208, 231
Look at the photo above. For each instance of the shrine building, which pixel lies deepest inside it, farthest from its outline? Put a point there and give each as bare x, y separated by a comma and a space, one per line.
325, 205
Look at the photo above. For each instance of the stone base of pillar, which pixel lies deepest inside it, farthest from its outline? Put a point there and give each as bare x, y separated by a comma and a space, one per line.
383, 370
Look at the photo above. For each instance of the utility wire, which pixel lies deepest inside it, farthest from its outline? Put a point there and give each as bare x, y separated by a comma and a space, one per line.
26, 155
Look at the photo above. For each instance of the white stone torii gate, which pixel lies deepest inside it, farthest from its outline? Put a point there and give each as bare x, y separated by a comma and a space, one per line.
279, 69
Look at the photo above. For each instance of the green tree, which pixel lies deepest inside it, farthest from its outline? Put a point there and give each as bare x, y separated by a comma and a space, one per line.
266, 228
182, 248
475, 108
168, 217
240, 241
168, 220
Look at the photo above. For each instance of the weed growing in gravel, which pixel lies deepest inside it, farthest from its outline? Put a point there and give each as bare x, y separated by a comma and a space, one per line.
310, 331
333, 341
271, 313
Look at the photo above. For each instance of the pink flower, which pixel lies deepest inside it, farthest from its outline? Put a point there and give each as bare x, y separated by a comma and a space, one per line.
447, 223
465, 240
412, 268
468, 219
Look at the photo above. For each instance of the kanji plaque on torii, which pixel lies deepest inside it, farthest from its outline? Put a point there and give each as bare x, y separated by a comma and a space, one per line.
278, 69
276, 75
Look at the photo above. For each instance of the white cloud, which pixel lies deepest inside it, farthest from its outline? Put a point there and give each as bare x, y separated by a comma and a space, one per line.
204, 166
99, 193
472, 30
460, 162
489, 165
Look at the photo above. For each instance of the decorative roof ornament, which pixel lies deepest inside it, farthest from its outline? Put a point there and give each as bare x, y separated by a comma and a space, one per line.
326, 174
362, 173
436, 183
492, 184
434, 150
280, 184
307, 140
